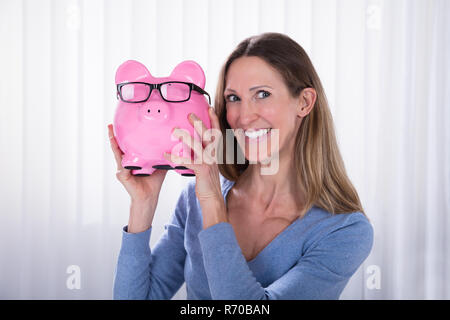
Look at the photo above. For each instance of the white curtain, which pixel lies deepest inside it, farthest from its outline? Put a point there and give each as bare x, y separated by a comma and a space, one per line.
385, 66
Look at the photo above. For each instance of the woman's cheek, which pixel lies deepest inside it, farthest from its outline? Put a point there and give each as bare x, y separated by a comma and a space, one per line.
231, 116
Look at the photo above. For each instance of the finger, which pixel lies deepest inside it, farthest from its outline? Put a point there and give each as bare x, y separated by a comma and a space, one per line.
199, 127
115, 147
208, 134
188, 140
214, 118
197, 123
215, 126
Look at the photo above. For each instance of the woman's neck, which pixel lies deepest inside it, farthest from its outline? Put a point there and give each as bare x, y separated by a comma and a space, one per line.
274, 194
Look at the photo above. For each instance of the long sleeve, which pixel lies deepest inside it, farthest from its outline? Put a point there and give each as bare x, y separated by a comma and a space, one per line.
143, 273
321, 273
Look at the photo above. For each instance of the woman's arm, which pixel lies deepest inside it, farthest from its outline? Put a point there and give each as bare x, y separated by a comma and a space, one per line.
321, 273
158, 273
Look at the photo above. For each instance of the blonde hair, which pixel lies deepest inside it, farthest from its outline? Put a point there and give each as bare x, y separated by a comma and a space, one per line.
318, 163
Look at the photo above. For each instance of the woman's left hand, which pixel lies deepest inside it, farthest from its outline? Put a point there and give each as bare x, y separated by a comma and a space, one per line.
207, 187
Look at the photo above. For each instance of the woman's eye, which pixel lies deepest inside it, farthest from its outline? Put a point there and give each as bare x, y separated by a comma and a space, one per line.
263, 94
232, 98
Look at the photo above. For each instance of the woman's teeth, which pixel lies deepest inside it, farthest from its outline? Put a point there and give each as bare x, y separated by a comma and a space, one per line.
257, 133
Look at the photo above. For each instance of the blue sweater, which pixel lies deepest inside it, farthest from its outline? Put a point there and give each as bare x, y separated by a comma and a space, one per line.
313, 258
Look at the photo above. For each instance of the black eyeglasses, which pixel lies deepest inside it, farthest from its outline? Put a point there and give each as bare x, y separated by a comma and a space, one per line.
171, 91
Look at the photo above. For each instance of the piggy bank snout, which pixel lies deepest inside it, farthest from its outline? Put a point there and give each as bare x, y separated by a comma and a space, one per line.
155, 111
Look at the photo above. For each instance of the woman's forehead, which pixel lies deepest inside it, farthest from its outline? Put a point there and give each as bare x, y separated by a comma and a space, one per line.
247, 72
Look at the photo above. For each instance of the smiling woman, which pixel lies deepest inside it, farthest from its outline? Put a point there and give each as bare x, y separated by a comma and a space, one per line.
298, 233
285, 92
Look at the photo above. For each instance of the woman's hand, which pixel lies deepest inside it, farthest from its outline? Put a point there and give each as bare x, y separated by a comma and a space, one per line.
207, 186
144, 191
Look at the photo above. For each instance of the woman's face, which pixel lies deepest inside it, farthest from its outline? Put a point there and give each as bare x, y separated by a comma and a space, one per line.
257, 98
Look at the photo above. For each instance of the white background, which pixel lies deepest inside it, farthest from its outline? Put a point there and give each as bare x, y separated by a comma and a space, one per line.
385, 66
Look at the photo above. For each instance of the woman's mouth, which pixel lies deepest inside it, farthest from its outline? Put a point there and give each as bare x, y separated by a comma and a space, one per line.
255, 134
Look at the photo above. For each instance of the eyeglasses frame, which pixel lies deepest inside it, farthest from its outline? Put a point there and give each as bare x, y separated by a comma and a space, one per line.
157, 86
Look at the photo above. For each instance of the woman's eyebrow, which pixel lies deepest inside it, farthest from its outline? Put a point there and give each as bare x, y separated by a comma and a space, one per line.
252, 88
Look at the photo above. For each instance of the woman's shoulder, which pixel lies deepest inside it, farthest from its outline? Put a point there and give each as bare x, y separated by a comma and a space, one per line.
189, 189
338, 243
337, 220
328, 228
188, 199
188, 213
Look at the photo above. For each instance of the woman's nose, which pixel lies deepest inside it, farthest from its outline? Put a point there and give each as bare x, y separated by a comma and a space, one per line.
247, 113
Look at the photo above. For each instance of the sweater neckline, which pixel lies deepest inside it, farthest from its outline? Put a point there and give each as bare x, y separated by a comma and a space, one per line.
228, 184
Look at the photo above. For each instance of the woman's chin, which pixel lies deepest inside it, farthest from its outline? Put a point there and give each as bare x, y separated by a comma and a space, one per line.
254, 158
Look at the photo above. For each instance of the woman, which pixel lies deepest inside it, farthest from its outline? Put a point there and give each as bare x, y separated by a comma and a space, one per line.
299, 233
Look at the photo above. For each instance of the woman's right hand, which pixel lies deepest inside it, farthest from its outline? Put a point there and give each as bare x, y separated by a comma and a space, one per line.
144, 191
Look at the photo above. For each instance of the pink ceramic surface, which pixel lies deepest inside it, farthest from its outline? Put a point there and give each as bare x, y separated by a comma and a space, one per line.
143, 130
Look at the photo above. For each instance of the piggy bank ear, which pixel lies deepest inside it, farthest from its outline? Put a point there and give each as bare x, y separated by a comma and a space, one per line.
132, 70
189, 71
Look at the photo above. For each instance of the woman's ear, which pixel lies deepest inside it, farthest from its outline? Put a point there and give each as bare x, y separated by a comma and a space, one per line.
307, 100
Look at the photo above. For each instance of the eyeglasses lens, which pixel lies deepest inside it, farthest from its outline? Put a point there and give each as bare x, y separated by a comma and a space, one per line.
175, 91
135, 92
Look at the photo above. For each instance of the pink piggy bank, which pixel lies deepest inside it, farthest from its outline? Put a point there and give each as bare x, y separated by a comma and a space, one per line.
149, 108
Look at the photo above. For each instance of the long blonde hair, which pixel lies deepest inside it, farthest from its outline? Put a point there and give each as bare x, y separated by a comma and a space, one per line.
319, 166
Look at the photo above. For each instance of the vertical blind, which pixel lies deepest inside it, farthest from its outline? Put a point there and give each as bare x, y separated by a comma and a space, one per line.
386, 72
